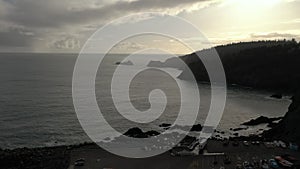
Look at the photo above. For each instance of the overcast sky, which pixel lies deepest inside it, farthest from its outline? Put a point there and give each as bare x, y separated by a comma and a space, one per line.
65, 25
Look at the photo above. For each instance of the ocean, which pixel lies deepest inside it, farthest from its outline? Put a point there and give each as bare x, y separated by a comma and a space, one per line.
36, 106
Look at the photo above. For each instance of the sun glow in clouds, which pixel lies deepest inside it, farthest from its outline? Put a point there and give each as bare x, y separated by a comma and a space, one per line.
255, 7
244, 13
253, 4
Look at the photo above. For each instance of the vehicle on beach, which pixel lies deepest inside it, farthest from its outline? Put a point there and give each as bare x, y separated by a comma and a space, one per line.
247, 165
269, 144
255, 164
282, 144
79, 162
255, 142
246, 143
238, 166
227, 160
293, 146
283, 162
226, 142
273, 164
289, 158
264, 164
235, 143
277, 144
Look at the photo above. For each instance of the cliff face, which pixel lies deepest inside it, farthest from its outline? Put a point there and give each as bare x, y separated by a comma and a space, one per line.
288, 128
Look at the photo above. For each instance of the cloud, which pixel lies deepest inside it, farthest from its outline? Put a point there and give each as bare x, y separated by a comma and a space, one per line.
293, 21
53, 13
46, 19
16, 36
274, 35
66, 43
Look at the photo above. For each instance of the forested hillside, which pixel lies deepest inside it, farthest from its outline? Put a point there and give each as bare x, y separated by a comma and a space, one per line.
273, 65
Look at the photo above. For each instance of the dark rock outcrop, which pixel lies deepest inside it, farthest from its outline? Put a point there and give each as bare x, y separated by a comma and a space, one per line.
239, 128
277, 96
261, 120
138, 133
288, 129
196, 127
164, 125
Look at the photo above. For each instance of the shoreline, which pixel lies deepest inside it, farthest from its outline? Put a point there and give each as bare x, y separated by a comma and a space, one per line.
64, 156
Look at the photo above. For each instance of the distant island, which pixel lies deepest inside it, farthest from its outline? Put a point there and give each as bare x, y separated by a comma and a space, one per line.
129, 63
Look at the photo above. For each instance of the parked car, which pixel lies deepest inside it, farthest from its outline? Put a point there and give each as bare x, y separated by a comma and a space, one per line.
247, 165
283, 162
293, 146
246, 143
264, 164
227, 160
289, 158
235, 143
276, 143
255, 142
282, 144
79, 162
255, 164
273, 164
226, 143
238, 166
